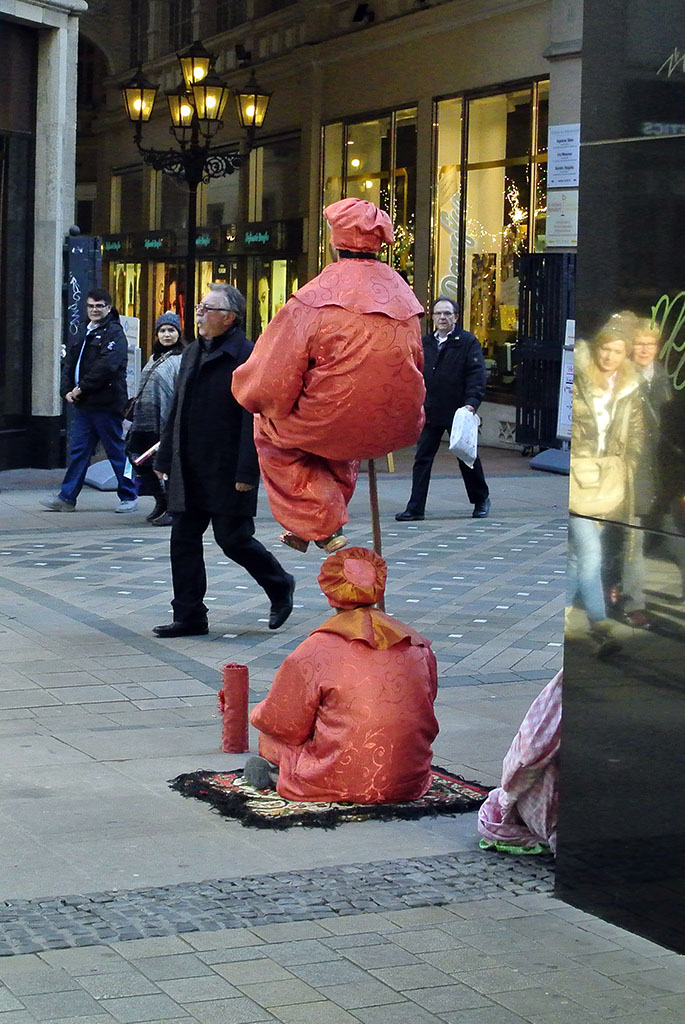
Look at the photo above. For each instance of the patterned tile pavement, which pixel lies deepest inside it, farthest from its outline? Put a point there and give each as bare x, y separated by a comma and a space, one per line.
307, 926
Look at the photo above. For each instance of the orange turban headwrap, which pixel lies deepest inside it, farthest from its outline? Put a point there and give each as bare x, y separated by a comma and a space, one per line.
353, 577
358, 225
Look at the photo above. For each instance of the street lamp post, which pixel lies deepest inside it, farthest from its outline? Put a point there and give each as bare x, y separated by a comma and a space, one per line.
195, 107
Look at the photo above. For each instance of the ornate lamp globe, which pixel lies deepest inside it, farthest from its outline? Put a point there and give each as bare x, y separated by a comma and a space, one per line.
195, 64
181, 106
210, 97
139, 96
252, 103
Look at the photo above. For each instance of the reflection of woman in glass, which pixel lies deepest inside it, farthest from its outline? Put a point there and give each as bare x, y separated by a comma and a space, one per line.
606, 440
654, 392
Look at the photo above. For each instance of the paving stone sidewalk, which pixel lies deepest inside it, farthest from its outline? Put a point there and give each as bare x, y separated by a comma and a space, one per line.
304, 926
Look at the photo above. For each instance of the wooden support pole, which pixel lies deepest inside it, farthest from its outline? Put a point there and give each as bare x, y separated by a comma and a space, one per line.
375, 517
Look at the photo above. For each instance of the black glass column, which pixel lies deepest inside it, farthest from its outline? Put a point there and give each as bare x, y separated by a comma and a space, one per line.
621, 824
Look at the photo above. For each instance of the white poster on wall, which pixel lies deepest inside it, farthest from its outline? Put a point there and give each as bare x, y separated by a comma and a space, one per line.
563, 156
565, 414
131, 327
562, 218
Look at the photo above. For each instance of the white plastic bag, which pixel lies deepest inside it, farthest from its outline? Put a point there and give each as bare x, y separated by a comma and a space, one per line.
464, 436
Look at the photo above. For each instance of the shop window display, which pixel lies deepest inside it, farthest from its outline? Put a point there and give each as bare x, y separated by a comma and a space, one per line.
275, 174
489, 211
375, 159
124, 285
126, 208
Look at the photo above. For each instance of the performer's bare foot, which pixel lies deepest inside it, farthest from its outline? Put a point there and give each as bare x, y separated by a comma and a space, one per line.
335, 542
293, 541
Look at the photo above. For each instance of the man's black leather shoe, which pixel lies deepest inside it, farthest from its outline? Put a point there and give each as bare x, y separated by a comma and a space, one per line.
408, 517
280, 610
172, 629
481, 509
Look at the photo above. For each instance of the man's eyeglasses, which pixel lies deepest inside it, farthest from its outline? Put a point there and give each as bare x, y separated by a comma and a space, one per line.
201, 308
96, 305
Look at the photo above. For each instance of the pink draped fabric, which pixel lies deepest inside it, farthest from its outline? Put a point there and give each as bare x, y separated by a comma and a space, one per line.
523, 810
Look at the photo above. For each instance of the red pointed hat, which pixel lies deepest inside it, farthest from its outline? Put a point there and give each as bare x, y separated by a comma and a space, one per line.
358, 225
353, 577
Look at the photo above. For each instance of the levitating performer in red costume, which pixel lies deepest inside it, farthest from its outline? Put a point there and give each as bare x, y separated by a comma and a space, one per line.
336, 377
350, 712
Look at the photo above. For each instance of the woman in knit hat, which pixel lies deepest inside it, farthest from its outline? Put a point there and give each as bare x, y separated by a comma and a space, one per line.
350, 712
152, 406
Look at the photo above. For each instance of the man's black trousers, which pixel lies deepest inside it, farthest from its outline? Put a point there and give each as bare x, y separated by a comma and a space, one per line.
235, 537
426, 450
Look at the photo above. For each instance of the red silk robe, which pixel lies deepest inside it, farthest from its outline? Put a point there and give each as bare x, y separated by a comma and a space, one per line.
336, 377
349, 716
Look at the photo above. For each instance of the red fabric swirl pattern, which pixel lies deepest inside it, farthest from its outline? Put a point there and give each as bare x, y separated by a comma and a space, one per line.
346, 721
337, 374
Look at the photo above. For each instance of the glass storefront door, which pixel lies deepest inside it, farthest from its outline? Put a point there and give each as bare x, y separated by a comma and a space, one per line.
489, 210
375, 159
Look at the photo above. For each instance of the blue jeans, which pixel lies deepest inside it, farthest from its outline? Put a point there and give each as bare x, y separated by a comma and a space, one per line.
89, 427
584, 579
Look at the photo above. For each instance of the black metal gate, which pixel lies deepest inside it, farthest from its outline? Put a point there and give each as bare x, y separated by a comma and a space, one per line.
546, 302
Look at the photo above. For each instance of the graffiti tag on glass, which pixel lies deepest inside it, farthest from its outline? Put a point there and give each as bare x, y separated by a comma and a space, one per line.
668, 316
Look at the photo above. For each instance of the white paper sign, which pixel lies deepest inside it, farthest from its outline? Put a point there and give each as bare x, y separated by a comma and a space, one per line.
562, 218
131, 326
563, 157
565, 414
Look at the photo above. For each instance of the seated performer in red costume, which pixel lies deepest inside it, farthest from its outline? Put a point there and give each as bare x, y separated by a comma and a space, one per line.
349, 716
336, 377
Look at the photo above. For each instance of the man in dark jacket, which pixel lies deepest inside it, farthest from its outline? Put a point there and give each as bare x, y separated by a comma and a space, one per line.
94, 382
454, 372
208, 456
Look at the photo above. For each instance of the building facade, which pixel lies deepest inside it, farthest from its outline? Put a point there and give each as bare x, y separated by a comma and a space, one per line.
437, 111
38, 51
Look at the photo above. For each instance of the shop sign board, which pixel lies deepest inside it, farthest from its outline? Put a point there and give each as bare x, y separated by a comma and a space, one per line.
563, 156
268, 238
115, 246
153, 244
562, 218
209, 240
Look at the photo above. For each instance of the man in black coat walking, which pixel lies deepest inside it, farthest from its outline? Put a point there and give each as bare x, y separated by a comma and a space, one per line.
93, 382
454, 372
208, 456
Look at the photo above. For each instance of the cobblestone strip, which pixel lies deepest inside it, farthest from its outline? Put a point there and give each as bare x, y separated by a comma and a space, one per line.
29, 926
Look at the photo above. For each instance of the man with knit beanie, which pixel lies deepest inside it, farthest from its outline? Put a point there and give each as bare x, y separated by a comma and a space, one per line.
349, 716
336, 377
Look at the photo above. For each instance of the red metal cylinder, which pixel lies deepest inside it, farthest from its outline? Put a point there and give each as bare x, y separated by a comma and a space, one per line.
233, 701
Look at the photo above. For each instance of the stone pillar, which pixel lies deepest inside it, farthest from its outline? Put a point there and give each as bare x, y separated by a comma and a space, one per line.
155, 29
54, 213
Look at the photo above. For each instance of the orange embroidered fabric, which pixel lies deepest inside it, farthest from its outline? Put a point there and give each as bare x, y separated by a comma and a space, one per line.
336, 377
372, 627
358, 225
345, 720
352, 577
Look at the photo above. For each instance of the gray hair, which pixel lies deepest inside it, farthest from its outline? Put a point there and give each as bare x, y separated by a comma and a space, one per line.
234, 299
446, 298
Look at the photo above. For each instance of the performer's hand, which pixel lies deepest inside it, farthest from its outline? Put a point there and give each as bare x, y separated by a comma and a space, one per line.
73, 395
244, 487
160, 475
